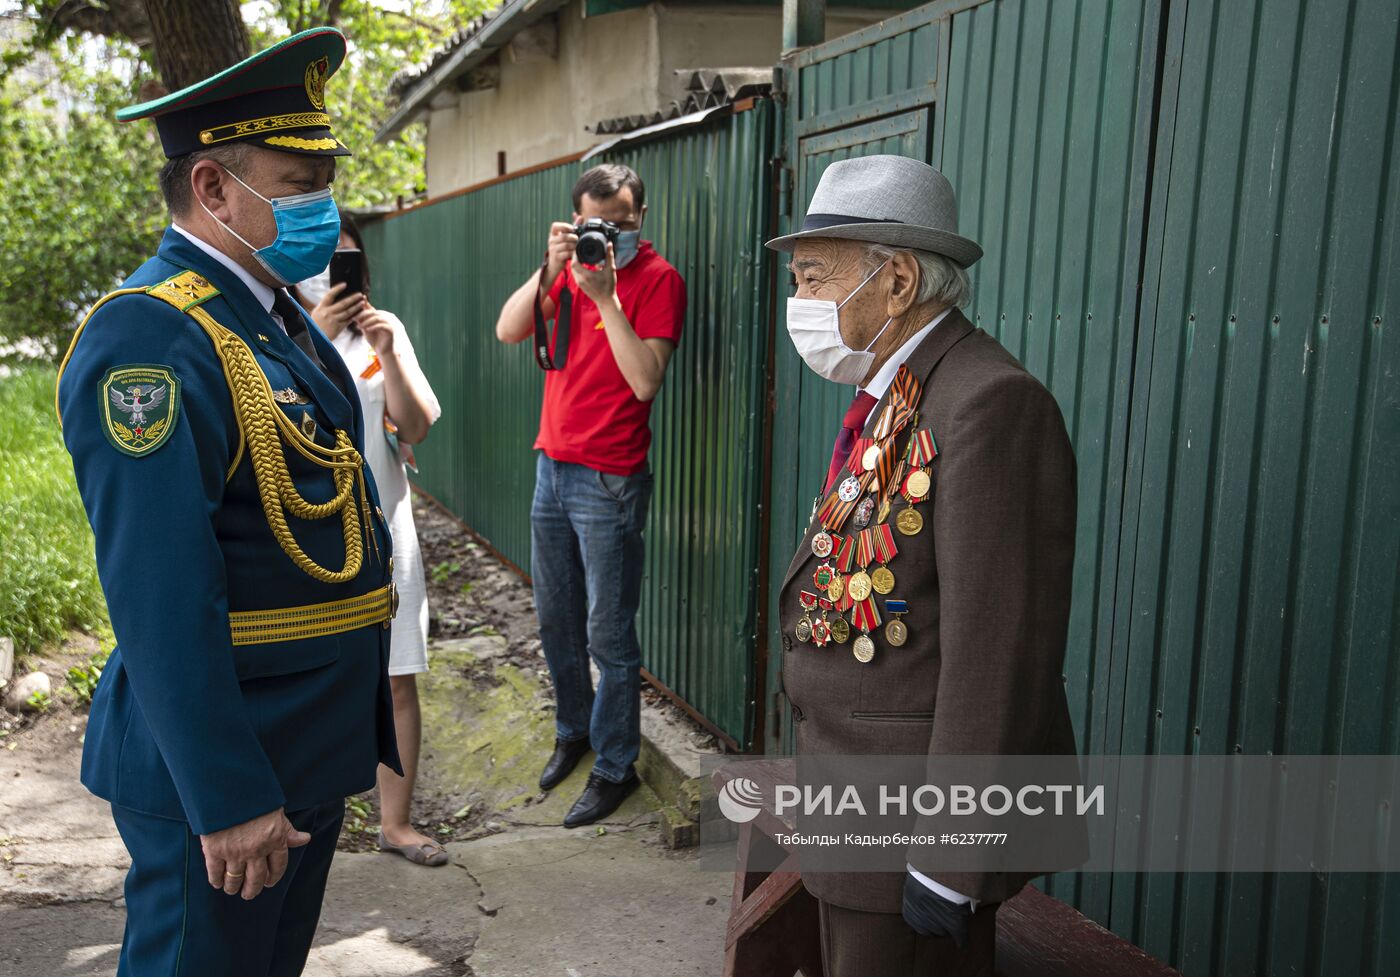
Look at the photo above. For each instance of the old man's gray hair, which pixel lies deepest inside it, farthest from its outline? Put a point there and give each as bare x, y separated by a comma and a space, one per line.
940, 279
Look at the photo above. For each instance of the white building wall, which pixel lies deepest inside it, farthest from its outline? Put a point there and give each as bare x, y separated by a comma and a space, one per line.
617, 64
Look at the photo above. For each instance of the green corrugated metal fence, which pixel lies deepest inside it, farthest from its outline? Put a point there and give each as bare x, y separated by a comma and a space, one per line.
1045, 136
1189, 212
708, 211
1257, 587
446, 269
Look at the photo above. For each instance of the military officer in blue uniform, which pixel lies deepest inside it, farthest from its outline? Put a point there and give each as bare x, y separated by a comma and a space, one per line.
217, 440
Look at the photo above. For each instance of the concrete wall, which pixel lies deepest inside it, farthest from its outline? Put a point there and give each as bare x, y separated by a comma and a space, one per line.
617, 64
732, 36
605, 66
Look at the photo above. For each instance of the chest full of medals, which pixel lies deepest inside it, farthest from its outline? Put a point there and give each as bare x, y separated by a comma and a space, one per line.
852, 598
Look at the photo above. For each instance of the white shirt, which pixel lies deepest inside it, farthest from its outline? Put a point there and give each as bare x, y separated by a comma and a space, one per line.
877, 388
408, 639
261, 290
880, 384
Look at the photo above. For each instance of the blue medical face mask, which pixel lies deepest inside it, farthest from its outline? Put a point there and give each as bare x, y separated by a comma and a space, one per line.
308, 231
626, 246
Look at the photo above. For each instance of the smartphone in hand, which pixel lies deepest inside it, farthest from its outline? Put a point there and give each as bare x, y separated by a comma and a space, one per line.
348, 266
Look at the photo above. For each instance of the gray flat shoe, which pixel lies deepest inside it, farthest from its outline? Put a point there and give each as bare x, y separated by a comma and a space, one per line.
430, 853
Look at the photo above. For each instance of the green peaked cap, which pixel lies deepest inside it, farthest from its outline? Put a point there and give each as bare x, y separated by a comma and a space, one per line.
275, 98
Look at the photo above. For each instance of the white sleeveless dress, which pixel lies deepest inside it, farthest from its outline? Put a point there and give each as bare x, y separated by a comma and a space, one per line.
408, 649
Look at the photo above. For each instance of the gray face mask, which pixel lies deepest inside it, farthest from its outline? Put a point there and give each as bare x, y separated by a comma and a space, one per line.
626, 246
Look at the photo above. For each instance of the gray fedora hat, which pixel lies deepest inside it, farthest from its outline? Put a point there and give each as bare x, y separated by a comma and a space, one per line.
891, 200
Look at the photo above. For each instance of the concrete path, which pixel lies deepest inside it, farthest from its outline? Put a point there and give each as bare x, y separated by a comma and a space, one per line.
531, 900
522, 896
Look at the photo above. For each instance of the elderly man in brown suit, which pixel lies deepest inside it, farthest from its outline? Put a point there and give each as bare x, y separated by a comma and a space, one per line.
926, 608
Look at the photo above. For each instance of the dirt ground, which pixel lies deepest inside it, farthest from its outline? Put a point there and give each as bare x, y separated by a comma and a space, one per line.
521, 896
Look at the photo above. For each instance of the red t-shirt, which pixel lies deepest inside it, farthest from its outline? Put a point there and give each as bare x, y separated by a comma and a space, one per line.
590, 415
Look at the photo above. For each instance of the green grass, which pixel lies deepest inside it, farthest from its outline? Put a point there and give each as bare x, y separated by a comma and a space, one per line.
48, 581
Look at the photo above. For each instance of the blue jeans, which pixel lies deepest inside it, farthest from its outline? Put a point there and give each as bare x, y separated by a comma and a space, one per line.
586, 560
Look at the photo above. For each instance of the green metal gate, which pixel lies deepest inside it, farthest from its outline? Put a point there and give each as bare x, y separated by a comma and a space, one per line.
1260, 559
872, 91
1189, 210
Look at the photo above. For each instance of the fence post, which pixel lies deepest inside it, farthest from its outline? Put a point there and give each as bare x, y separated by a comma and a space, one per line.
804, 23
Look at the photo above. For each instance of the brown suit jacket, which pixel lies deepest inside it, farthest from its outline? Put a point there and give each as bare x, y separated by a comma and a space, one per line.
988, 586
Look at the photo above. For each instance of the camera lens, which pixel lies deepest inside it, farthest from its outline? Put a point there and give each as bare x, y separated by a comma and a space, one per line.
592, 248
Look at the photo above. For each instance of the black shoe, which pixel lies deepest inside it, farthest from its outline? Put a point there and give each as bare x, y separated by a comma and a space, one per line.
567, 754
599, 799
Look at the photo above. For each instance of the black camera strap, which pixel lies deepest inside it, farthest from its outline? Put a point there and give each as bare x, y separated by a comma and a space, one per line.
561, 325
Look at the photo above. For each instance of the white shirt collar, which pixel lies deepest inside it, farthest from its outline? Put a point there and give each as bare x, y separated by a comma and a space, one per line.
882, 380
261, 291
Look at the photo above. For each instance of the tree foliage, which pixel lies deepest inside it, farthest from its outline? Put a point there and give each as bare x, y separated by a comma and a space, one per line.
82, 209
82, 205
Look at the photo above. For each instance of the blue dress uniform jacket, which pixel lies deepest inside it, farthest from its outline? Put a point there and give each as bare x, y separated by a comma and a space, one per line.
186, 724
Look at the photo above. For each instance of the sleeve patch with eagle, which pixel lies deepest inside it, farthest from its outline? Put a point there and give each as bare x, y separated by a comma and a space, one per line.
140, 405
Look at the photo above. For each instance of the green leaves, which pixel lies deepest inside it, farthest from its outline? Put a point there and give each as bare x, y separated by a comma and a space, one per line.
82, 209
383, 41
83, 679
82, 204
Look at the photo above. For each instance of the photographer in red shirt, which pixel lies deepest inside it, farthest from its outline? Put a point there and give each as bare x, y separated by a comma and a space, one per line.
592, 482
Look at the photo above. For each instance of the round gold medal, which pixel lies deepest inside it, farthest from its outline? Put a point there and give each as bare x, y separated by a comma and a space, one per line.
840, 631
909, 521
917, 484
871, 456
836, 587
804, 629
896, 632
882, 580
858, 587
863, 649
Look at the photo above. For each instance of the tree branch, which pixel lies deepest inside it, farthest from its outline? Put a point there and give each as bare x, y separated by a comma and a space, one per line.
125, 19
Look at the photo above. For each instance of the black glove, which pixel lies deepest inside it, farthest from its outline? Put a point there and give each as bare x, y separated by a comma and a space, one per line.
929, 914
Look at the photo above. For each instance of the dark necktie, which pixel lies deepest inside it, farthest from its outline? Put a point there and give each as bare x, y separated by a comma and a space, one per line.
851, 426
295, 323
286, 307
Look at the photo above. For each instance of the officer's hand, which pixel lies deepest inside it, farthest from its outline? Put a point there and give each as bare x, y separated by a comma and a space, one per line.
562, 242
378, 328
599, 284
929, 914
248, 857
334, 312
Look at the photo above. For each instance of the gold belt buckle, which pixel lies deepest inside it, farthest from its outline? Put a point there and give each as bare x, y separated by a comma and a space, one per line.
393, 603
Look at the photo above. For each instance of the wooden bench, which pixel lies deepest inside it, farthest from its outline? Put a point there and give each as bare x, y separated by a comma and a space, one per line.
773, 924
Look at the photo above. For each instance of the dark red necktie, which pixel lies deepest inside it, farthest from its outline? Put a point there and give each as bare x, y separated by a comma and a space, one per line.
851, 426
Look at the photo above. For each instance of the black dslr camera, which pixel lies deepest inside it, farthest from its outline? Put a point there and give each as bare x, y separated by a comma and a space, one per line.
594, 236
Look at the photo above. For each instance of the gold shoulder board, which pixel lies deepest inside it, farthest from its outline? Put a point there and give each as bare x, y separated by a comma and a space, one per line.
184, 291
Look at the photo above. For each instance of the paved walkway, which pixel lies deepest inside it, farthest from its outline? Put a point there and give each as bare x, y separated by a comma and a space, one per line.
531, 900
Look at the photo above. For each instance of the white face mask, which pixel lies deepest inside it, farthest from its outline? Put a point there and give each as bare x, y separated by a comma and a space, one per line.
815, 328
313, 289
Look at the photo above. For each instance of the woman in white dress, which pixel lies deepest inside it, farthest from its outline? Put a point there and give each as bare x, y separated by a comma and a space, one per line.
399, 408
